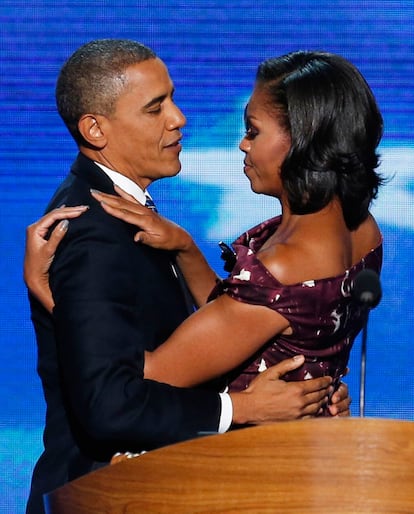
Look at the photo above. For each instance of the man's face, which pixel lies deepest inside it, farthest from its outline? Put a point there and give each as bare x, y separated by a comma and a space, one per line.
143, 134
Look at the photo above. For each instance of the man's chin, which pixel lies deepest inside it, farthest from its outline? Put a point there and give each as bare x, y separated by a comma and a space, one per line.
175, 170
168, 173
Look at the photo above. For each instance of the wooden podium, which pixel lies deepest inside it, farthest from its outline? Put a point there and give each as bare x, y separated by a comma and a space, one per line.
344, 465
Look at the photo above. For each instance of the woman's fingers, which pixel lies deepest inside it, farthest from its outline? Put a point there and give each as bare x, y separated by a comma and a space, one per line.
56, 236
40, 250
120, 205
131, 212
124, 194
41, 227
154, 229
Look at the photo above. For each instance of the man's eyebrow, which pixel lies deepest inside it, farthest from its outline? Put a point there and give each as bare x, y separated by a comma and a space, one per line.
157, 100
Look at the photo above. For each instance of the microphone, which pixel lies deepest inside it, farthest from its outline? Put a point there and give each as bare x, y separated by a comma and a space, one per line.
228, 255
366, 291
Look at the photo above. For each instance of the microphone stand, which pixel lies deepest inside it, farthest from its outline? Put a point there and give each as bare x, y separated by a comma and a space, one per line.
367, 293
363, 369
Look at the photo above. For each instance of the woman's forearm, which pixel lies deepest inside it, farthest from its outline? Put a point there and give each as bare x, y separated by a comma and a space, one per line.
198, 274
221, 335
42, 292
159, 232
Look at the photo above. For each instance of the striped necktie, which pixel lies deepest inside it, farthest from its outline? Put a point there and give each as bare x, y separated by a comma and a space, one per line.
149, 202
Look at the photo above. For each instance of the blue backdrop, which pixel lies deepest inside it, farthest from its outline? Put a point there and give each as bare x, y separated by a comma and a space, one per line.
212, 48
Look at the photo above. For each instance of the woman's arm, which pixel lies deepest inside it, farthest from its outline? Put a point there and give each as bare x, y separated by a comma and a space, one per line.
220, 336
161, 233
40, 251
217, 338
154, 230
299, 398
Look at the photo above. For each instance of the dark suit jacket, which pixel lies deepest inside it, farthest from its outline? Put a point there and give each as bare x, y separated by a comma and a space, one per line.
114, 299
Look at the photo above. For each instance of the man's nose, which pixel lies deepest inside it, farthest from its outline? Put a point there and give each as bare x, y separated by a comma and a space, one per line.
177, 119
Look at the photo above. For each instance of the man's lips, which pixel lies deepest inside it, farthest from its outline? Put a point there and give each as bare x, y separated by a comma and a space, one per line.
175, 143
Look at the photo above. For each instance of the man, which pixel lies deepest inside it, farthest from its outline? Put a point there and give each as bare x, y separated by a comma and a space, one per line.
113, 299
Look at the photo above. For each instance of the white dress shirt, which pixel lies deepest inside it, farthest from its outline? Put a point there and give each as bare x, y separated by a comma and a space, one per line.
130, 187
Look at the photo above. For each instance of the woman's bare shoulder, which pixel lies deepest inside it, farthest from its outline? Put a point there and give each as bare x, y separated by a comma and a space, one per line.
290, 262
365, 238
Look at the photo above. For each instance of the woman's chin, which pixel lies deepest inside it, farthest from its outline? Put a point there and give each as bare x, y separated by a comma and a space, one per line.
255, 189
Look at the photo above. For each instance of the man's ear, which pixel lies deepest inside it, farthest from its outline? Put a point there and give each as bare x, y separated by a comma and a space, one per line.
91, 127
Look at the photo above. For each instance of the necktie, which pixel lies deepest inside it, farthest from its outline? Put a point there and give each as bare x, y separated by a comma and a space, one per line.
149, 203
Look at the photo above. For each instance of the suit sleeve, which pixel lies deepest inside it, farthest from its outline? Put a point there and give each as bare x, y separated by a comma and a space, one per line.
114, 300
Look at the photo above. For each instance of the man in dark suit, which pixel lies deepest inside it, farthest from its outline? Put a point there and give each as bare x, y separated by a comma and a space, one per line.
115, 299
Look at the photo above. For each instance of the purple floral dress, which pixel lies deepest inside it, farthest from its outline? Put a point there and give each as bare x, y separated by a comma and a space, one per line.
321, 313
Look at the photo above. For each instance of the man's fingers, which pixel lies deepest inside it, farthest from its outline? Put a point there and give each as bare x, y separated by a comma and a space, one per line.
340, 394
278, 370
341, 401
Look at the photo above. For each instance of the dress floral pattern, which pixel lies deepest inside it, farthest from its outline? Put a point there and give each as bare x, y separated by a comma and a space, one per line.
321, 313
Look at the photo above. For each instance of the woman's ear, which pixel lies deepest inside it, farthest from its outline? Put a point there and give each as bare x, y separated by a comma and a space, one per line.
91, 127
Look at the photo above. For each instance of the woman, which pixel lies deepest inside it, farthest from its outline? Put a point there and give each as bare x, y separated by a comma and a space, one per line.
312, 131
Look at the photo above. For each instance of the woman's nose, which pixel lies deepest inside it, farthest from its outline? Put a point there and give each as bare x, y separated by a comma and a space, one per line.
244, 145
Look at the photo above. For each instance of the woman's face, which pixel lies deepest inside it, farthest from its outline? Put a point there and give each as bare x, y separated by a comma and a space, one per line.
265, 144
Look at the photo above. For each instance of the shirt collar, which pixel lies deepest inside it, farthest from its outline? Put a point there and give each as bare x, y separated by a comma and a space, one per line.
125, 183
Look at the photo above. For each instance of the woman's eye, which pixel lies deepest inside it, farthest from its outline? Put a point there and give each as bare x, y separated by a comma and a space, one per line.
250, 133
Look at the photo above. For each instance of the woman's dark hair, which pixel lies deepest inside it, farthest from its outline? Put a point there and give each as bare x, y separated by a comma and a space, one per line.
335, 125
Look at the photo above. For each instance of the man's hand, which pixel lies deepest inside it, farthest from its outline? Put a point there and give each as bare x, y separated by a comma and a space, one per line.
340, 402
269, 398
41, 251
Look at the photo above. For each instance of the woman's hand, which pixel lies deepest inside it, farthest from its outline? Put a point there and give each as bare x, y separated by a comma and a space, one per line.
41, 251
163, 234
154, 230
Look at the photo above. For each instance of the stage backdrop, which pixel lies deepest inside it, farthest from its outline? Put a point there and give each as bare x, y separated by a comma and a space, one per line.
212, 48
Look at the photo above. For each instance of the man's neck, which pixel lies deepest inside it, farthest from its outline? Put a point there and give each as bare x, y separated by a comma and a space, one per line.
109, 166
124, 183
